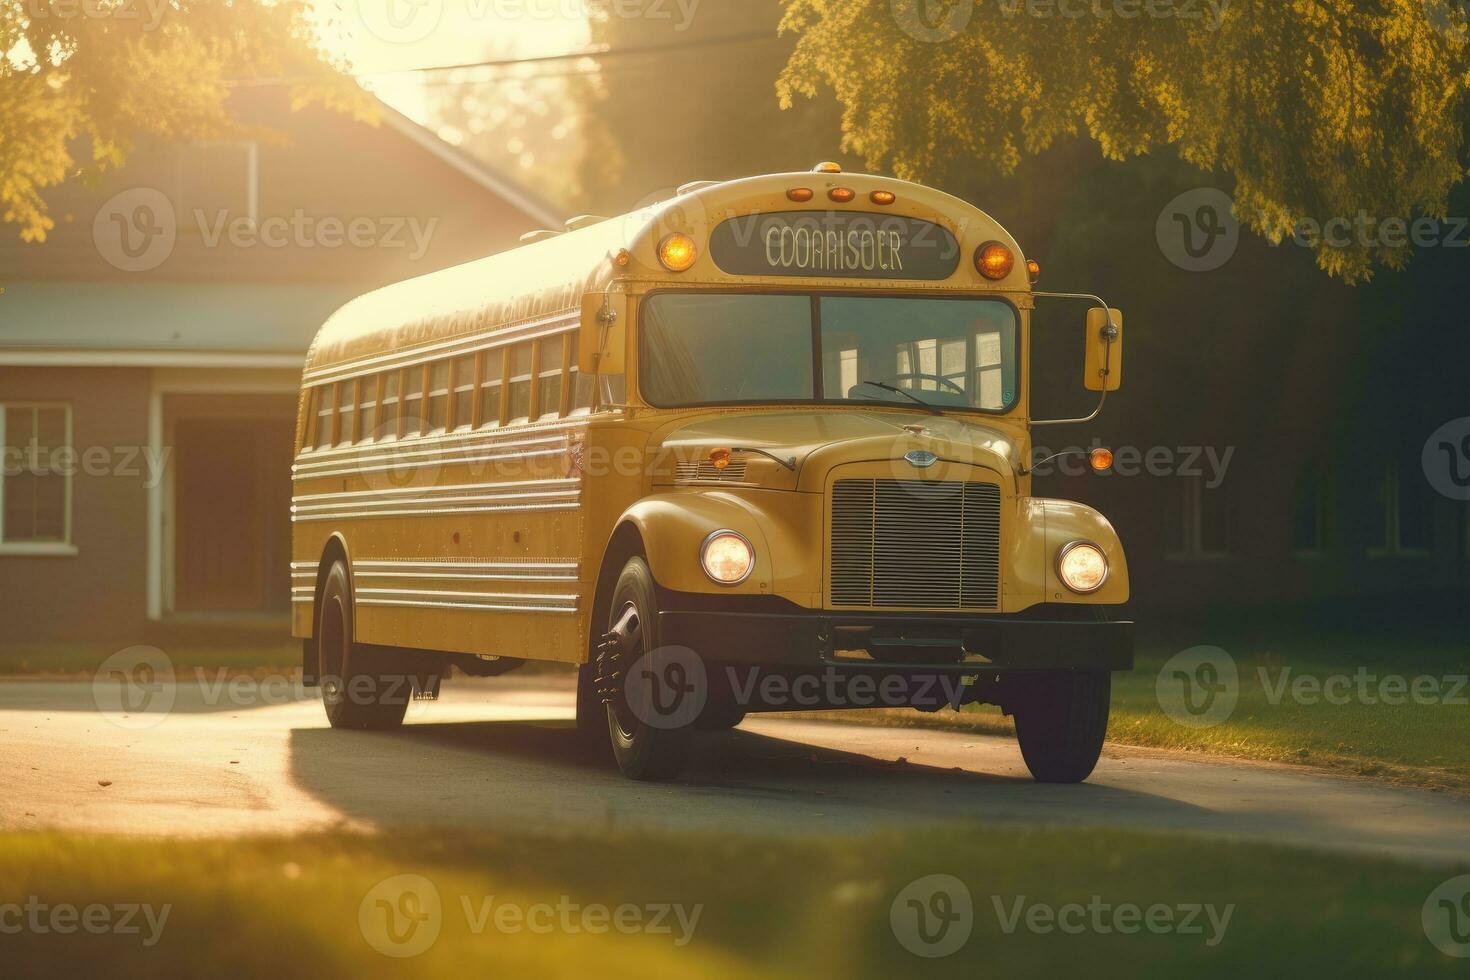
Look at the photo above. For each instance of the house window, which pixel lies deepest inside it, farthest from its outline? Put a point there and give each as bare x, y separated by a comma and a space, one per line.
1201, 523
413, 400
464, 392
492, 374
35, 480
520, 383
389, 404
549, 376
1403, 518
367, 409
1312, 525
438, 396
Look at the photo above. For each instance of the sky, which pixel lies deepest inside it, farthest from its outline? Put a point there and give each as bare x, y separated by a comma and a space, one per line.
383, 36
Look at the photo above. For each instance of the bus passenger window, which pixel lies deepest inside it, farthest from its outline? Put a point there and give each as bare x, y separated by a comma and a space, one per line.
367, 409
388, 412
492, 371
345, 406
413, 400
520, 383
438, 396
464, 391
582, 387
322, 399
548, 391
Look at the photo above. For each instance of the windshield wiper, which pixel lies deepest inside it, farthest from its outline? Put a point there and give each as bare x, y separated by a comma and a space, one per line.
933, 409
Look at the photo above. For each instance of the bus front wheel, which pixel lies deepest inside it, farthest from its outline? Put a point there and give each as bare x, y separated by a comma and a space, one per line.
360, 686
645, 747
1061, 722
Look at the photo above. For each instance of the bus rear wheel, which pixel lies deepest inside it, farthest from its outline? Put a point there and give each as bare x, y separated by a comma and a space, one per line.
643, 751
1061, 723
360, 687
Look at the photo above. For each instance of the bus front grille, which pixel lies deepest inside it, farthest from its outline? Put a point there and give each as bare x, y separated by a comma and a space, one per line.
915, 543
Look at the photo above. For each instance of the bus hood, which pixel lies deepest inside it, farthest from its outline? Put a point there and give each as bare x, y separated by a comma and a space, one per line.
813, 442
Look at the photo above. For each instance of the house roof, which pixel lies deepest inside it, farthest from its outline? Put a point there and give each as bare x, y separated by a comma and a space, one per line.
142, 323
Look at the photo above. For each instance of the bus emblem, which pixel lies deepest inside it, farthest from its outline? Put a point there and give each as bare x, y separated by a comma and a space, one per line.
921, 458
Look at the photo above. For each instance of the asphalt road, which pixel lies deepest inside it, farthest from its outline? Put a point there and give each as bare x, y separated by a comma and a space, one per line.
502, 753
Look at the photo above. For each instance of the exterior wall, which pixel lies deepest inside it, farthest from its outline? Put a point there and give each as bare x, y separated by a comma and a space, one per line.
98, 594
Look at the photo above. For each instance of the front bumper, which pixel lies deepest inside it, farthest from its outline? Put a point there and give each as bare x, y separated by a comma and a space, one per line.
961, 644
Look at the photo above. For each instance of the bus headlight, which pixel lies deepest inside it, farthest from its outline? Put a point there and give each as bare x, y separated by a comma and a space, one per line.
727, 557
1082, 567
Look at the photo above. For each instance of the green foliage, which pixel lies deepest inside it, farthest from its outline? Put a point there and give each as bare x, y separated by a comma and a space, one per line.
105, 73
1318, 109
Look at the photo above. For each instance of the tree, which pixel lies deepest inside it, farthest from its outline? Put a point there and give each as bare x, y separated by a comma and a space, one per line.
1351, 110
101, 74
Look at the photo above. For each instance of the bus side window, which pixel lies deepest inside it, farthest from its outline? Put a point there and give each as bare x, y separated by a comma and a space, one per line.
520, 383
367, 408
388, 412
413, 400
321, 401
549, 377
492, 373
346, 403
438, 396
464, 391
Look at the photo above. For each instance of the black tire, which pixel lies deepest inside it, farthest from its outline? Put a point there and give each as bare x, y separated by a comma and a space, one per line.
360, 687
642, 751
1061, 723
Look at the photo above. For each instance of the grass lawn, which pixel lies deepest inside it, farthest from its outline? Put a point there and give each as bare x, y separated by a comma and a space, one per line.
1423, 744
819, 906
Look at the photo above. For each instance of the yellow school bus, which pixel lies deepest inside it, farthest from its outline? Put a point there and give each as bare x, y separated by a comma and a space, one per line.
762, 446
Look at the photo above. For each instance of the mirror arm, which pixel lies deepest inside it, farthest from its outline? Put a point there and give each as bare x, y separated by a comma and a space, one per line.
1109, 336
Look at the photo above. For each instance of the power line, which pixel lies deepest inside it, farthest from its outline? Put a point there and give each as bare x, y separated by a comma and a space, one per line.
605, 53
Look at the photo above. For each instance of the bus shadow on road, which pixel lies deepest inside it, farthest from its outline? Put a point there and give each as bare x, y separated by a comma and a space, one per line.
480, 773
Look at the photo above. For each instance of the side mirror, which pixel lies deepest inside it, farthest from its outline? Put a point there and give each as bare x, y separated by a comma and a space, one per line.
604, 334
1104, 369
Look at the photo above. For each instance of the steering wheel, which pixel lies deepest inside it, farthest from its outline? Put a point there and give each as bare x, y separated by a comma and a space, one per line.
941, 379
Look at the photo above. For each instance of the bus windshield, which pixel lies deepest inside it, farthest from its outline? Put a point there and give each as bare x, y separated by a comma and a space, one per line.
732, 348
